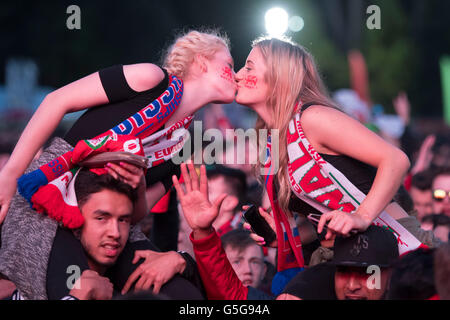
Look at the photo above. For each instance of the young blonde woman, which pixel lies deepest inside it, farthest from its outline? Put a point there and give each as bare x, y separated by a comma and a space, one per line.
144, 100
329, 164
201, 60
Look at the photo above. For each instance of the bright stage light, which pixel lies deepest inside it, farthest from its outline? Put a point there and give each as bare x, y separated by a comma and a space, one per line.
276, 22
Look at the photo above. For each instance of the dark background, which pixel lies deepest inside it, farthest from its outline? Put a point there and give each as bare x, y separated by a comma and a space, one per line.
403, 55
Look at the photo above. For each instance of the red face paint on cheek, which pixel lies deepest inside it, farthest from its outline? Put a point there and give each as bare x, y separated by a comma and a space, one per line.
227, 74
250, 82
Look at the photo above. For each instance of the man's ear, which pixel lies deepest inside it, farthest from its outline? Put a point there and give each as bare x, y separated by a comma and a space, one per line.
77, 233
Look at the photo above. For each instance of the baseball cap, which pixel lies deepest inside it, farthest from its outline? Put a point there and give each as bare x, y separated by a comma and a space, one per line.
375, 246
314, 283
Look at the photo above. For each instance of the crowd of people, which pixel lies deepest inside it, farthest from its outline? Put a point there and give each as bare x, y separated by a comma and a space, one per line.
106, 213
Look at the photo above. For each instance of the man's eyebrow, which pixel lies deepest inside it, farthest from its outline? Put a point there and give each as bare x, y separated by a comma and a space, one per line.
250, 62
128, 215
255, 258
102, 212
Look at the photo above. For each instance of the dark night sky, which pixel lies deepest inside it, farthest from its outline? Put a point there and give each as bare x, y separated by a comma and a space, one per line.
117, 31
136, 31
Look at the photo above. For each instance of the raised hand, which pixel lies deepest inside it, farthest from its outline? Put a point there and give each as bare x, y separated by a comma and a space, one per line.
425, 155
402, 107
199, 212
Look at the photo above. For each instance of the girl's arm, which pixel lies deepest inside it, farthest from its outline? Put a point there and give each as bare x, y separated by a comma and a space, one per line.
78, 95
331, 131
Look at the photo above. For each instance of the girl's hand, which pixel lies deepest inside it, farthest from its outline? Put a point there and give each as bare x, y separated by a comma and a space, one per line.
342, 223
258, 239
133, 176
128, 173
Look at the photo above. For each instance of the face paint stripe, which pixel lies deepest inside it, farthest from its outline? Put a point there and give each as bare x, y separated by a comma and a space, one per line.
227, 74
250, 82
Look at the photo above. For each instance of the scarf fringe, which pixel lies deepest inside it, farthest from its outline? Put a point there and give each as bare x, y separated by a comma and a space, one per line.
29, 183
49, 200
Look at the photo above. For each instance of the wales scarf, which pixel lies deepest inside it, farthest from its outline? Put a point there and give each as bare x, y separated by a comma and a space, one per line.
157, 146
289, 255
325, 188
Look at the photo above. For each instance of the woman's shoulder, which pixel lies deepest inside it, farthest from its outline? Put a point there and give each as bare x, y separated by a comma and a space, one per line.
143, 76
318, 112
313, 113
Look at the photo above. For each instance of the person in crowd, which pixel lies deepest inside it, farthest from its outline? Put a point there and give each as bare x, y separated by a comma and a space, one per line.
439, 224
222, 179
314, 283
322, 153
442, 271
197, 70
421, 194
360, 269
200, 214
354, 278
441, 150
144, 100
106, 205
441, 191
245, 256
353, 255
413, 276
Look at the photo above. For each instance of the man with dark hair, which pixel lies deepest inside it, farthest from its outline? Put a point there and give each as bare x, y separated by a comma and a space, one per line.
442, 271
439, 223
106, 205
358, 257
222, 179
421, 193
246, 257
441, 191
360, 269
413, 276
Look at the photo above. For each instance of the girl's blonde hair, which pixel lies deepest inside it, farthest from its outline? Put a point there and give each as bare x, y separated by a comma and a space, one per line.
292, 78
180, 55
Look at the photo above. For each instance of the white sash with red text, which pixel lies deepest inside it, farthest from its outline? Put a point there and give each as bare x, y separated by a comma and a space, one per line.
325, 188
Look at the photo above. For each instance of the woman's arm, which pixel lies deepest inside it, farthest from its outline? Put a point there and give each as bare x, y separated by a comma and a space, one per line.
78, 95
331, 131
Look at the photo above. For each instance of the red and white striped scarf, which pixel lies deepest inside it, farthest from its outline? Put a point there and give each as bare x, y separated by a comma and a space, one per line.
157, 147
325, 188
290, 253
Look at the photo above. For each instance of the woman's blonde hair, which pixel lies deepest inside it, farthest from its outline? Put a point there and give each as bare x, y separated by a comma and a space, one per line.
292, 78
180, 55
